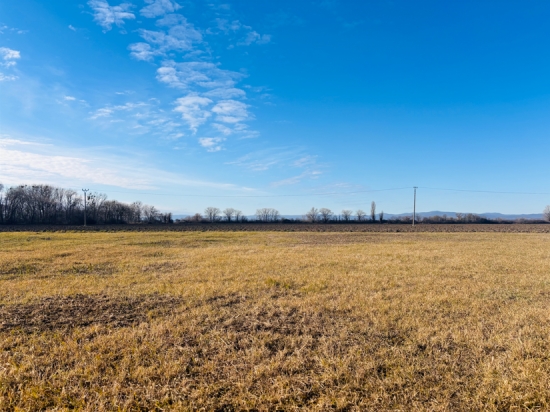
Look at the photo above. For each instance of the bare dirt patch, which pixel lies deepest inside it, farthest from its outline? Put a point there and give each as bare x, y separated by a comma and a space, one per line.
65, 312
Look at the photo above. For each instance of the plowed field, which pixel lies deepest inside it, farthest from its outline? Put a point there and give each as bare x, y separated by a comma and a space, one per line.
289, 227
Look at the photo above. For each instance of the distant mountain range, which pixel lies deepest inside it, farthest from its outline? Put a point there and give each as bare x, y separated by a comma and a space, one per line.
488, 215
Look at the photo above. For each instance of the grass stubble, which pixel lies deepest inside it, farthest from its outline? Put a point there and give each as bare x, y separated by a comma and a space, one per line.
274, 321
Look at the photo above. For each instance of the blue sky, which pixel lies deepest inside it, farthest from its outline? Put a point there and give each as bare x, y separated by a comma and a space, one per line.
286, 104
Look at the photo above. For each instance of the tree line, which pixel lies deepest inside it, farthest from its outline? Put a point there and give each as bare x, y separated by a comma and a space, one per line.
270, 215
45, 204
325, 215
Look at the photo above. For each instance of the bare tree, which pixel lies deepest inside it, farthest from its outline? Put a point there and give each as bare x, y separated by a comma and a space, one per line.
381, 216
546, 213
197, 217
96, 203
267, 214
238, 214
212, 214
312, 216
137, 208
149, 212
360, 215
274, 215
346, 215
373, 211
326, 214
229, 212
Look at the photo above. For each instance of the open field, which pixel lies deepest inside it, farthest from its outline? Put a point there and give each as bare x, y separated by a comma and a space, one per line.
275, 321
289, 227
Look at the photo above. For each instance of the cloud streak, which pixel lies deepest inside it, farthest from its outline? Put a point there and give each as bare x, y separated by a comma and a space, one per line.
28, 162
20, 165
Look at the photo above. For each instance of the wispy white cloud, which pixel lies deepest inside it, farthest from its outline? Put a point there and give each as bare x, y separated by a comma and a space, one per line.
6, 140
231, 111
205, 75
130, 106
304, 161
236, 28
7, 78
311, 174
71, 27
178, 38
173, 19
142, 51
140, 118
223, 129
158, 8
9, 54
109, 110
181, 36
191, 109
103, 112
106, 15
262, 160
239, 129
282, 157
211, 144
8, 59
254, 37
69, 98
4, 28
226, 93
227, 26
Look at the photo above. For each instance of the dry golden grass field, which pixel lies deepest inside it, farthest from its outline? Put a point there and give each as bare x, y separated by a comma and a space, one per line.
274, 321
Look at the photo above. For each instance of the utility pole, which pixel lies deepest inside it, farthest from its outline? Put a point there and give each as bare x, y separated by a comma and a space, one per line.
85, 196
414, 206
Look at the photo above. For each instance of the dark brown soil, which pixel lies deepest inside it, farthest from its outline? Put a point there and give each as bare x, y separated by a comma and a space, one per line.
290, 227
64, 312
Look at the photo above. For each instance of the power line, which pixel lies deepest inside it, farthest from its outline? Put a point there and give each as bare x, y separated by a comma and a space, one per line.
330, 193
414, 204
485, 191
